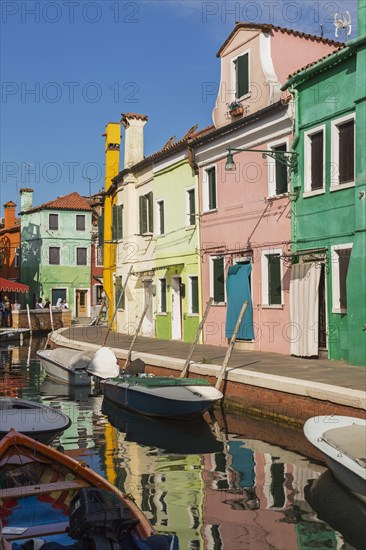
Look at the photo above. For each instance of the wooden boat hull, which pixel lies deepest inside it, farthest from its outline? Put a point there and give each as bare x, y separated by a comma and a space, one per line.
346, 470
37, 480
32, 419
61, 372
175, 402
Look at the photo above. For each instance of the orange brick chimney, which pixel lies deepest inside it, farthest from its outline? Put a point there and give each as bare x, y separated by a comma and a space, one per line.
9, 215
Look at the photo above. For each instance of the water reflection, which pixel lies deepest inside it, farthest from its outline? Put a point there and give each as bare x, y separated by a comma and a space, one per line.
177, 437
238, 483
339, 508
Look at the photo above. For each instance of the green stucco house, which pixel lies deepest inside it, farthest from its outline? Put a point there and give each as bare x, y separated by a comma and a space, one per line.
55, 250
328, 281
177, 275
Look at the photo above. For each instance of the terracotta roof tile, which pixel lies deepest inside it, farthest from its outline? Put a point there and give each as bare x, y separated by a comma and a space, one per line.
266, 27
26, 190
125, 116
73, 201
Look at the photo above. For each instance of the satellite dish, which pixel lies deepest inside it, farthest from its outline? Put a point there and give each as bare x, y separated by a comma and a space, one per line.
343, 22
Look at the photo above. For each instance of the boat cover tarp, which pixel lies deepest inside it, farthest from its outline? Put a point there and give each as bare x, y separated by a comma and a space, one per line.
157, 381
349, 440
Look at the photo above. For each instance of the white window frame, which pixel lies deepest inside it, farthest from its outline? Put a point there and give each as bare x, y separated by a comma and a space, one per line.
233, 76
160, 295
188, 190
58, 221
190, 300
272, 168
212, 258
336, 295
157, 216
334, 176
265, 281
307, 161
205, 193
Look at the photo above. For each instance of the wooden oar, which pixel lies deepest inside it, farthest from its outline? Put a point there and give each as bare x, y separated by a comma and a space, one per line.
231, 345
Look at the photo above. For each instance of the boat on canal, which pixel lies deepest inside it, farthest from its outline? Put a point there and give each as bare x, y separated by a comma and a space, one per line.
77, 367
342, 441
31, 418
162, 396
49, 495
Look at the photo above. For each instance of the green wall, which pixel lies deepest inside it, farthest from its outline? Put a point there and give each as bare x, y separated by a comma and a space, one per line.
336, 217
176, 249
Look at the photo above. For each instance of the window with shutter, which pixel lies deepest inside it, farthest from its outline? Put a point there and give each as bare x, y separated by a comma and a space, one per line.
242, 75
191, 214
218, 280
54, 255
281, 173
80, 222
346, 152
119, 300
81, 256
146, 213
53, 222
194, 295
274, 279
150, 224
317, 160
211, 176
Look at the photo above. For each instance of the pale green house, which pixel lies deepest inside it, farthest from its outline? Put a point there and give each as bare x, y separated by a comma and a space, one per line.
55, 250
177, 275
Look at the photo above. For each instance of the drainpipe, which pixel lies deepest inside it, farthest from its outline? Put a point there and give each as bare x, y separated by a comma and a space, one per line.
295, 141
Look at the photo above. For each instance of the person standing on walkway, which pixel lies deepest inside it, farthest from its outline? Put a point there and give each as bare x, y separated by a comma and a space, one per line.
7, 312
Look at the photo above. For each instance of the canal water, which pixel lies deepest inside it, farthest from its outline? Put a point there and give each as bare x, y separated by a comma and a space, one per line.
228, 481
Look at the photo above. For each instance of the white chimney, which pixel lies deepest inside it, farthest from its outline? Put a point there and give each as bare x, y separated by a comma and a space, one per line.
26, 199
134, 138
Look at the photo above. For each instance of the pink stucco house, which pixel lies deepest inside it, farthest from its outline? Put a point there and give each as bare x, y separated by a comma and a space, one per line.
246, 212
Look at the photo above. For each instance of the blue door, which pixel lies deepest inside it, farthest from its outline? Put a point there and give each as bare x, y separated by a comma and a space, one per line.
237, 291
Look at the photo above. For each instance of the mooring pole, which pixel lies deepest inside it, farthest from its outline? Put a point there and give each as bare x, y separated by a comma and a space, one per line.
231, 345
117, 305
194, 343
128, 359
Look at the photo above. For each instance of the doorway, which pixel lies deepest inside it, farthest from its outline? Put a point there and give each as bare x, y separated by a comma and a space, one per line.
81, 303
148, 324
322, 328
176, 309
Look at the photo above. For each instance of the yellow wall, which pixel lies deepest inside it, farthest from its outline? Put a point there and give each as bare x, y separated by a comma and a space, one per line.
112, 153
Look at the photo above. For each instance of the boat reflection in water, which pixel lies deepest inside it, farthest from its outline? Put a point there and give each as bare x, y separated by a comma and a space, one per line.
173, 436
51, 388
339, 508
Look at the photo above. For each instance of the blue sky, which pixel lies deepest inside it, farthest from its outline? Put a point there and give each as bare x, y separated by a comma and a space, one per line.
70, 66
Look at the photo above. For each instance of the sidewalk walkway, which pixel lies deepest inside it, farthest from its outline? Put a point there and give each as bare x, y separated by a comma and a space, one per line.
316, 378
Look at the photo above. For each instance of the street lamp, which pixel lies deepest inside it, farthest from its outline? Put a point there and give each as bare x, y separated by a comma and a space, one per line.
288, 158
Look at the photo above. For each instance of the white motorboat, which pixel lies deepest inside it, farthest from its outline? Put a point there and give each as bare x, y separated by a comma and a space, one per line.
78, 367
31, 418
342, 440
162, 396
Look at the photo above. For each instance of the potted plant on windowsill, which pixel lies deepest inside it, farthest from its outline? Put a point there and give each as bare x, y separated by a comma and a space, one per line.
235, 109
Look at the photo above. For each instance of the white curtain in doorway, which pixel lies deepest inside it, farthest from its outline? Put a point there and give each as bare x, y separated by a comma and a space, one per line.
304, 309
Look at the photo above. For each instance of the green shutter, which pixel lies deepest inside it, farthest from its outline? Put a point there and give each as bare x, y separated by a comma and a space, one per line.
149, 198
120, 302
163, 295
101, 230
192, 207
274, 279
211, 174
194, 290
242, 75
119, 222
143, 214
218, 280
281, 173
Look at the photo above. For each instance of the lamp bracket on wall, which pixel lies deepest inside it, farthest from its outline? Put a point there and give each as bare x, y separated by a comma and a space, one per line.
287, 158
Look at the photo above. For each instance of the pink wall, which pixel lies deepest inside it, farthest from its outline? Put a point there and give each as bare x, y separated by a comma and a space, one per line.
246, 220
291, 53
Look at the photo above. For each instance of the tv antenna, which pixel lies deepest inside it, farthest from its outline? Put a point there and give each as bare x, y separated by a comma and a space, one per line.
343, 22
